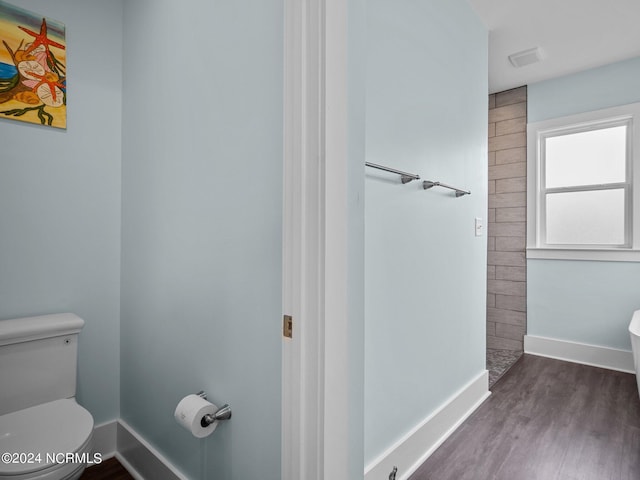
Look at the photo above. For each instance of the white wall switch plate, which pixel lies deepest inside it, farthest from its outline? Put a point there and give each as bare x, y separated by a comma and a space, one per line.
479, 227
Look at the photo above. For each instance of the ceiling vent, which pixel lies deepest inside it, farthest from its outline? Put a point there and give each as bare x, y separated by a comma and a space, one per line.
525, 57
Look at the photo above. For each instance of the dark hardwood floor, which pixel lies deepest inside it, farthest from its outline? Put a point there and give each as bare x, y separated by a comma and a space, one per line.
547, 420
107, 470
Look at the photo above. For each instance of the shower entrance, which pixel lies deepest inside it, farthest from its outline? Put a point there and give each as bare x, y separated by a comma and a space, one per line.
506, 241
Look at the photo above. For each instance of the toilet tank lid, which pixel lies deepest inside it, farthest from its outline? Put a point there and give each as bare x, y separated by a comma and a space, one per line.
19, 330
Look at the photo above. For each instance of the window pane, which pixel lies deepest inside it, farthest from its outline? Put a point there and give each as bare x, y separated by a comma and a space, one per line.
586, 158
594, 217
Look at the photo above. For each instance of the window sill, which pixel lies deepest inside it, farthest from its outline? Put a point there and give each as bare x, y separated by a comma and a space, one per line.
596, 255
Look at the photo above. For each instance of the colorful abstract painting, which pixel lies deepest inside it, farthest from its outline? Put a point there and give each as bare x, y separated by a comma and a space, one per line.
33, 72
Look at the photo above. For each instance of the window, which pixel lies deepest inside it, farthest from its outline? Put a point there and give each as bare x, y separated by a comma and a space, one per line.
584, 187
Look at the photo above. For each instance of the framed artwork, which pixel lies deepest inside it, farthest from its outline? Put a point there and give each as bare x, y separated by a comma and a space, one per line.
33, 72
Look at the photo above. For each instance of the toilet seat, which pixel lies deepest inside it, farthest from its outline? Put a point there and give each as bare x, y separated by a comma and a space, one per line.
58, 427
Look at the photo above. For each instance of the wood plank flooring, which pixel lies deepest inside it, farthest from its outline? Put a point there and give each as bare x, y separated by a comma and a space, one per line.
547, 420
107, 470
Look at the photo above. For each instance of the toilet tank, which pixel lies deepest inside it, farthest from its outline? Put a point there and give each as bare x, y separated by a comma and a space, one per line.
38, 360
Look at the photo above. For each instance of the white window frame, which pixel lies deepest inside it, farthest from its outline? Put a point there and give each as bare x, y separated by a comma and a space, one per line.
537, 133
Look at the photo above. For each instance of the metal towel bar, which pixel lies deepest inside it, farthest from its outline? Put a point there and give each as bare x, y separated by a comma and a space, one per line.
408, 177
459, 192
404, 176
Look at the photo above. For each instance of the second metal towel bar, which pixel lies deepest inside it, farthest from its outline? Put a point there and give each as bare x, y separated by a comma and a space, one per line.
459, 193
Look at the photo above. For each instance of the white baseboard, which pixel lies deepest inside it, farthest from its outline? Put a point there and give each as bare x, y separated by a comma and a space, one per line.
144, 462
140, 458
104, 439
592, 355
127, 466
416, 446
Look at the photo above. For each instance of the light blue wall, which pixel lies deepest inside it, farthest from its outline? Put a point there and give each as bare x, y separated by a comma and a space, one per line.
603, 87
425, 271
202, 228
586, 302
60, 201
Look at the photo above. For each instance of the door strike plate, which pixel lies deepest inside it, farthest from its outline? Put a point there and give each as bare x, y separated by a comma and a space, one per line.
287, 326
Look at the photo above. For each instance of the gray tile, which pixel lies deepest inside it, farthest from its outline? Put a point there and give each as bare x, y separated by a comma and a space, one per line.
507, 112
509, 302
511, 155
506, 127
509, 97
499, 361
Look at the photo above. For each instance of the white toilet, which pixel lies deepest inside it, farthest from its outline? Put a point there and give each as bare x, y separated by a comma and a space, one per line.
634, 331
46, 433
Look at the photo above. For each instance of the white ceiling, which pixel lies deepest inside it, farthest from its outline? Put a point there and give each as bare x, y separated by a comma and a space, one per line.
574, 35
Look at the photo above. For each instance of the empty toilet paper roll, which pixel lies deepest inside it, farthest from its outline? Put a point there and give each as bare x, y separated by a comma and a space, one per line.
189, 413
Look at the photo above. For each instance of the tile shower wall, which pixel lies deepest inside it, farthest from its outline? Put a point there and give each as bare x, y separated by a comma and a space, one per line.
507, 216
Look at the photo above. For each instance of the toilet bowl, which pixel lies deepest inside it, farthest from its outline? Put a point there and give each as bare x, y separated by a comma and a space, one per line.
44, 433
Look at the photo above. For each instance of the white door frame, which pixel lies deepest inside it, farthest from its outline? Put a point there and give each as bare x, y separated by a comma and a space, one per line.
315, 390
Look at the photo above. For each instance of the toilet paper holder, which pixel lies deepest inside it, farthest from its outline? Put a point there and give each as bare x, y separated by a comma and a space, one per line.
223, 413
